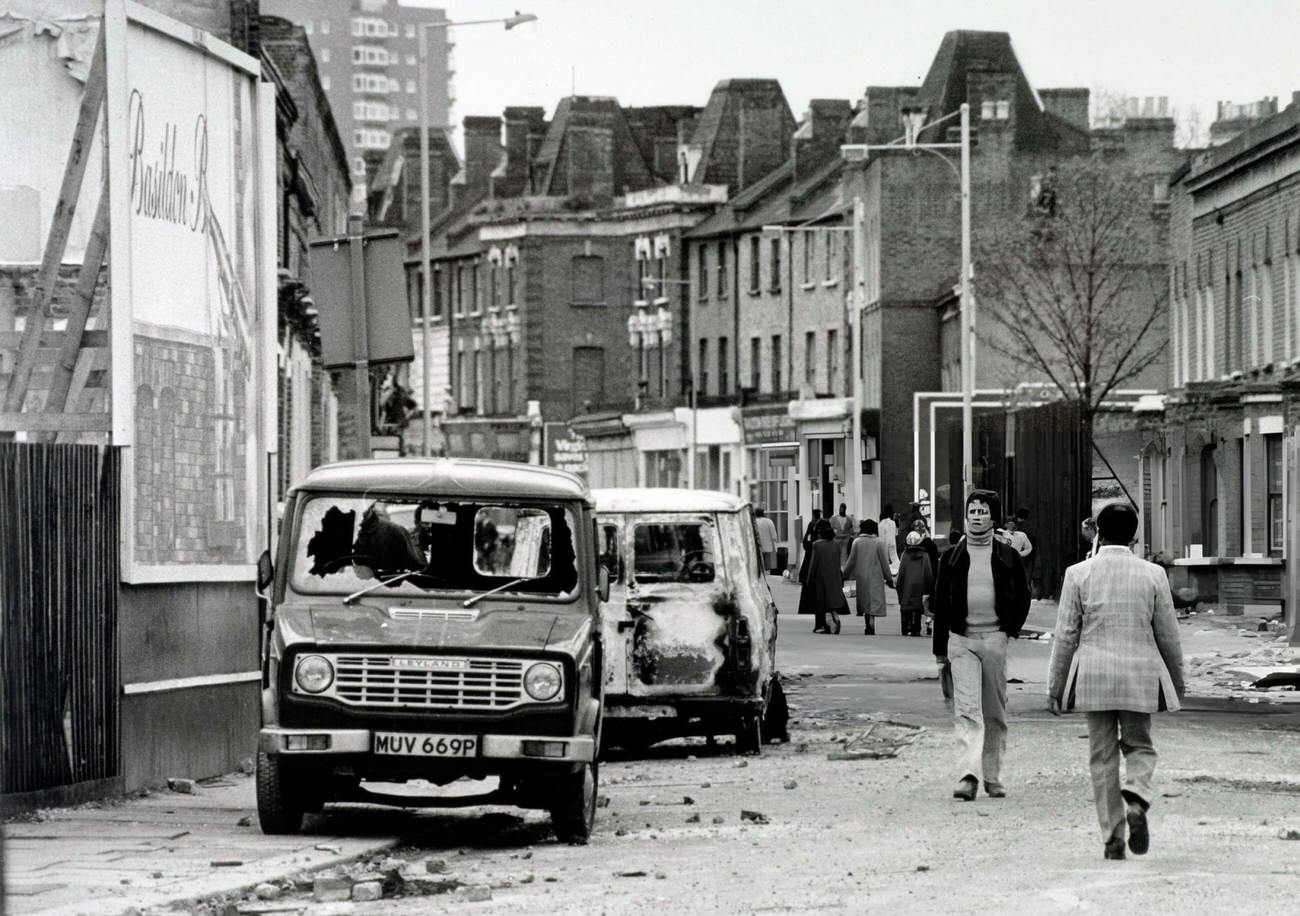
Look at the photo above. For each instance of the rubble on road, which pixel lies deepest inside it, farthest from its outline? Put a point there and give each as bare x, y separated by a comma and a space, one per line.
883, 739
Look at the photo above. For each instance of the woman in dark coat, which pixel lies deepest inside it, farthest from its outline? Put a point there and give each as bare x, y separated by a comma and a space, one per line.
914, 581
823, 587
809, 538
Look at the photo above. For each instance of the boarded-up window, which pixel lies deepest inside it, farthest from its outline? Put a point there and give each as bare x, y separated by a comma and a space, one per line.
588, 378
588, 278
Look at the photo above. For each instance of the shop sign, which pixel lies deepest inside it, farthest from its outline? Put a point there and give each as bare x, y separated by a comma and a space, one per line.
767, 427
565, 449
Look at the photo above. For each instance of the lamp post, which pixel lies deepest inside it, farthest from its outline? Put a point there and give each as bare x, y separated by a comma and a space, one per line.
913, 127
426, 270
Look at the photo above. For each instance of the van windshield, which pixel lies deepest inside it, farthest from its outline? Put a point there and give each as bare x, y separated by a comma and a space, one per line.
345, 543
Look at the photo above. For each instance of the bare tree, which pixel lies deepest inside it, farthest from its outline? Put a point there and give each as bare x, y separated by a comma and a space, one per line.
1074, 289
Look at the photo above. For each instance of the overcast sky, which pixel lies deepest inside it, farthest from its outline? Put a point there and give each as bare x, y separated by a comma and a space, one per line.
660, 52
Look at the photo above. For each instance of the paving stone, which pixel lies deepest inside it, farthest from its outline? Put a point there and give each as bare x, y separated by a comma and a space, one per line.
474, 893
326, 888
367, 890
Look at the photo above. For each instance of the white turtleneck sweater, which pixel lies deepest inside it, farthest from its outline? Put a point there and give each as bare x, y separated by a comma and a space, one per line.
981, 610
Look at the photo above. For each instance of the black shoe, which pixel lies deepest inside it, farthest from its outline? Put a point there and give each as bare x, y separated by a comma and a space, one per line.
1139, 835
966, 788
995, 790
835, 624
1115, 848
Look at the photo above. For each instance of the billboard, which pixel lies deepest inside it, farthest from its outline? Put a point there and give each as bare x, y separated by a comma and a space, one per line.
191, 139
565, 449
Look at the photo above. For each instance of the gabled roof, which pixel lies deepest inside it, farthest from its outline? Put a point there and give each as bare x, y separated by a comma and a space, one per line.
777, 198
945, 88
575, 112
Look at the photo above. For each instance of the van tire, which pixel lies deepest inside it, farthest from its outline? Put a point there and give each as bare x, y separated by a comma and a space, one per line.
574, 817
776, 714
278, 812
749, 740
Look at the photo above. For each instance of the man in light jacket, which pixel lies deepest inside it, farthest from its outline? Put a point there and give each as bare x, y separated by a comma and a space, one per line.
1116, 656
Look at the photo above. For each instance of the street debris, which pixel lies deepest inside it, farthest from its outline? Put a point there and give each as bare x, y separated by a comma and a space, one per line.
226, 863
754, 817
693, 819
791, 784
245, 821
474, 893
183, 786
266, 891
1288, 834
883, 739
635, 873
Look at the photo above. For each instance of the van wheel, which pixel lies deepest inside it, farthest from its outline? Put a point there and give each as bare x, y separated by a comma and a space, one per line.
278, 812
575, 815
749, 740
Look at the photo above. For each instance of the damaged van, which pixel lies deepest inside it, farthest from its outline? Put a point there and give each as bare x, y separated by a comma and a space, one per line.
689, 632
431, 621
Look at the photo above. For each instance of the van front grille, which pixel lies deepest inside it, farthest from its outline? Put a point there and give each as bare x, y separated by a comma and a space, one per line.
428, 682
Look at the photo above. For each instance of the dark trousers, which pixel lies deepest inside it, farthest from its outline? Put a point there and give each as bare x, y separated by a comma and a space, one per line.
911, 621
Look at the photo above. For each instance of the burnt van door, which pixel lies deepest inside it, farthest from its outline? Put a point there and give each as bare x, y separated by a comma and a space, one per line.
678, 601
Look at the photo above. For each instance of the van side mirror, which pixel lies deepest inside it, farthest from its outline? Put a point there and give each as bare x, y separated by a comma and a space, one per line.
602, 583
265, 573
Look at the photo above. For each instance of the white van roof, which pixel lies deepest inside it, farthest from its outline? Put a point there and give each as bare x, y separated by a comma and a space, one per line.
664, 499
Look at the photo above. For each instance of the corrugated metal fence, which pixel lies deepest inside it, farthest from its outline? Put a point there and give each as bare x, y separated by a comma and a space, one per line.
58, 596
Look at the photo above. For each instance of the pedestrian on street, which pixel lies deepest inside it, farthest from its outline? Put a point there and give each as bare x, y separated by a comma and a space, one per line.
1019, 540
844, 528
868, 565
1030, 561
823, 587
981, 599
927, 543
914, 582
889, 535
766, 539
1116, 656
809, 538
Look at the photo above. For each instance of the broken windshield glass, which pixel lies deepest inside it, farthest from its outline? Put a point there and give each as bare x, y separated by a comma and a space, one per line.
350, 543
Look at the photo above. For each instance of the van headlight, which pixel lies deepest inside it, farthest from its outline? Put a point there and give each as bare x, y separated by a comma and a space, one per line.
542, 681
314, 673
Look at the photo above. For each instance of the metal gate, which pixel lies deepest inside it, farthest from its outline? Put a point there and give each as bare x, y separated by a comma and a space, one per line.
1051, 476
58, 601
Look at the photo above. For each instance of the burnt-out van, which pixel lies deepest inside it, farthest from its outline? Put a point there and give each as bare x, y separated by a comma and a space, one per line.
689, 631
432, 620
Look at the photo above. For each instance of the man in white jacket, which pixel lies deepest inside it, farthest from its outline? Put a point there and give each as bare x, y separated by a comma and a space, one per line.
1116, 656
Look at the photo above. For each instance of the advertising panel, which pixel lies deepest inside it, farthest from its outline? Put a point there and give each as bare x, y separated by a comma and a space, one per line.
565, 449
189, 302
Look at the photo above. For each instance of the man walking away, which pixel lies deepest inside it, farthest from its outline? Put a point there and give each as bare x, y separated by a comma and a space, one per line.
982, 599
766, 540
1117, 657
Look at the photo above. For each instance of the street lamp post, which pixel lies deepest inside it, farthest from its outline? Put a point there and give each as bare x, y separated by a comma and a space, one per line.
913, 128
426, 269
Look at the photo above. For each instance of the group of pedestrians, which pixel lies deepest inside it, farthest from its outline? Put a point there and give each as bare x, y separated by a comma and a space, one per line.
870, 560
1115, 656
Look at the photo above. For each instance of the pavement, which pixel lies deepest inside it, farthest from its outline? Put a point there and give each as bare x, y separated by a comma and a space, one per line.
170, 850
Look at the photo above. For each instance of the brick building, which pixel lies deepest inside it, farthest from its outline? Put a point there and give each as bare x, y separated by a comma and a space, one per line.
314, 189
1220, 471
539, 263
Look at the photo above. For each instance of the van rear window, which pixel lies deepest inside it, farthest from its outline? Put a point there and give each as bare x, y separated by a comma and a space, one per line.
674, 552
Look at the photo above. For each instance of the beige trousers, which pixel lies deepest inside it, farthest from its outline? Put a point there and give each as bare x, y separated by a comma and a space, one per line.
1110, 733
979, 682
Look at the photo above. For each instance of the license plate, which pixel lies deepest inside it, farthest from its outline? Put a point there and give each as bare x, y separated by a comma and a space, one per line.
410, 745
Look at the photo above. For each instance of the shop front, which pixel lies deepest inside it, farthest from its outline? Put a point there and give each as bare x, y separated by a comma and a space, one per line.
829, 464
658, 448
611, 458
772, 470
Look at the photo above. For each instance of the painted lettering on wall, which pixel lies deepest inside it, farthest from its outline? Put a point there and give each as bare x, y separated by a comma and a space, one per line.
160, 190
